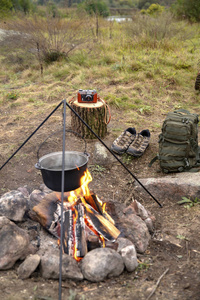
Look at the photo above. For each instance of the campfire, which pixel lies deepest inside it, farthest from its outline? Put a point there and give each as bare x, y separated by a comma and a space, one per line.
85, 220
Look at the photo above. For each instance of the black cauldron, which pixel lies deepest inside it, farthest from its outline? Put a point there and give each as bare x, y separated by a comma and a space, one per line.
50, 166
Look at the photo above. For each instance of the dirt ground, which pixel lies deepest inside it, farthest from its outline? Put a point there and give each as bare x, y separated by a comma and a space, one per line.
174, 250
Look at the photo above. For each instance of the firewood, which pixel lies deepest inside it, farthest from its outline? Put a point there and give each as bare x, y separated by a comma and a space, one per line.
94, 114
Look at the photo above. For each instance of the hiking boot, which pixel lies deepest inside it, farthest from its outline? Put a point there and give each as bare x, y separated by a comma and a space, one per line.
140, 143
121, 144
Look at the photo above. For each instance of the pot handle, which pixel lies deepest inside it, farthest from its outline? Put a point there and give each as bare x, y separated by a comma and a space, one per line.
38, 166
69, 130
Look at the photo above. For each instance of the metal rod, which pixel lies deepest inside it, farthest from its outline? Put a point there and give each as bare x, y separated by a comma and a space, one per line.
114, 155
31, 135
62, 199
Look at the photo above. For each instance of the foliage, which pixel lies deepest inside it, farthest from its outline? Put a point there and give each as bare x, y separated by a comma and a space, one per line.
97, 168
52, 9
52, 38
95, 7
144, 4
188, 9
25, 5
155, 9
189, 202
5, 7
148, 31
12, 96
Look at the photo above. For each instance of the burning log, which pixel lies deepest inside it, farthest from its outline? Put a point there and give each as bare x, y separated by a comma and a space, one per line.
44, 211
74, 239
101, 225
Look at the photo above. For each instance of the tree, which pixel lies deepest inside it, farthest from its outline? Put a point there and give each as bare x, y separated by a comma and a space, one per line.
25, 5
5, 7
189, 9
144, 4
155, 9
95, 7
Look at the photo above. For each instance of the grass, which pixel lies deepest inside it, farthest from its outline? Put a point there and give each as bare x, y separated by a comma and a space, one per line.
141, 73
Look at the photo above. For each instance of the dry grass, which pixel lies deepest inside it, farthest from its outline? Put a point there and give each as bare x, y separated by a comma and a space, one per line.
141, 81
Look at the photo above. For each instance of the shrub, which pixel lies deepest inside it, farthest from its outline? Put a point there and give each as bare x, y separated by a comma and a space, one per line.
52, 39
155, 32
95, 7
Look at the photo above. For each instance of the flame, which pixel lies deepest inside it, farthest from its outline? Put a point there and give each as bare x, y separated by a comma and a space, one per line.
75, 246
81, 194
85, 180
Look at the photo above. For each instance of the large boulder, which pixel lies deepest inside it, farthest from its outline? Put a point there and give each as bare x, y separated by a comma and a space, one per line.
14, 243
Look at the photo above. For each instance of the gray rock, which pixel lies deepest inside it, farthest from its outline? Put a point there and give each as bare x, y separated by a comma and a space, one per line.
14, 244
127, 250
35, 198
101, 155
13, 205
50, 266
24, 190
28, 266
172, 187
45, 189
123, 243
136, 230
129, 258
150, 225
101, 263
138, 209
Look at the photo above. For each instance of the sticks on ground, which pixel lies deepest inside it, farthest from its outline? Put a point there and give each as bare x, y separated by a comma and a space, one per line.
157, 284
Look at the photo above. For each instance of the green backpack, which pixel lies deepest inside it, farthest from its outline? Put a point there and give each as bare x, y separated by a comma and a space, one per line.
178, 142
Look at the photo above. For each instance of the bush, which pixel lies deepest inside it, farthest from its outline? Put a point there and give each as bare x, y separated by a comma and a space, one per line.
52, 38
155, 32
95, 7
187, 9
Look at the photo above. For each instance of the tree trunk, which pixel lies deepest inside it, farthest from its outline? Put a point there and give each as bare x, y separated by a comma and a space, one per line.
94, 114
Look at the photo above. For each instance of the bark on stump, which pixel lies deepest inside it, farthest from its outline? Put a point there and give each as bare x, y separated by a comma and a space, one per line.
94, 114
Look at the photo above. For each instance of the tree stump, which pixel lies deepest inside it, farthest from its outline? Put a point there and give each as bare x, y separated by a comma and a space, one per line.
94, 114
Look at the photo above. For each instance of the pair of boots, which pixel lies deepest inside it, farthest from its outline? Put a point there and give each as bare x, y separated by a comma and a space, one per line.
131, 142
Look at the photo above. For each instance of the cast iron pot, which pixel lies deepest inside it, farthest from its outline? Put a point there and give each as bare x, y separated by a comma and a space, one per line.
50, 166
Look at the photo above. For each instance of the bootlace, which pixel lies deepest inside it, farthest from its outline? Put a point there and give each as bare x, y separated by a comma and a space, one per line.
137, 141
124, 139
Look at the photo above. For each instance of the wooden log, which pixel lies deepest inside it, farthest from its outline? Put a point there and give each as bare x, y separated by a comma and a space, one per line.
94, 114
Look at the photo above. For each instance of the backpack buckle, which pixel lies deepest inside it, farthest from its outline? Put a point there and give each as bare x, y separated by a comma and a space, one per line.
186, 163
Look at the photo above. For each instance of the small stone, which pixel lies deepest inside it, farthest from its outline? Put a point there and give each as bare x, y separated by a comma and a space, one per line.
129, 258
101, 155
13, 205
50, 266
101, 263
127, 250
28, 266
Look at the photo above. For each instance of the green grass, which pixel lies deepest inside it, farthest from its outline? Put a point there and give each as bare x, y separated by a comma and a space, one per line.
145, 69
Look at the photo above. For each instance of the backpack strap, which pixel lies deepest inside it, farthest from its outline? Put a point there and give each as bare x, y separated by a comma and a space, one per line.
182, 111
153, 160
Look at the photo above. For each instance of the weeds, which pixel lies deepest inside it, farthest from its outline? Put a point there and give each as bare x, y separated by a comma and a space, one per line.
181, 237
73, 295
189, 202
97, 168
143, 266
12, 96
127, 159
